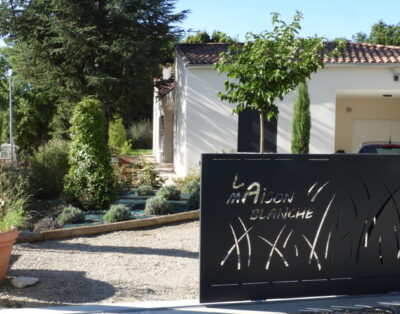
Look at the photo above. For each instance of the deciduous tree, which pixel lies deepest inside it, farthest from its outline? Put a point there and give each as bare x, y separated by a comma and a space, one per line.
381, 33
268, 66
204, 37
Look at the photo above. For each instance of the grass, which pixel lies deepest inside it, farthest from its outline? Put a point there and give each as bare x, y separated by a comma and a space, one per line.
138, 152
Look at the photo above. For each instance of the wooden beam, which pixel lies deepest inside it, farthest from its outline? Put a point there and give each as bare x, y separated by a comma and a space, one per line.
115, 226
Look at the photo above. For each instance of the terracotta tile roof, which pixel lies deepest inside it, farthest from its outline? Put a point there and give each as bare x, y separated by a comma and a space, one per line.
165, 86
354, 53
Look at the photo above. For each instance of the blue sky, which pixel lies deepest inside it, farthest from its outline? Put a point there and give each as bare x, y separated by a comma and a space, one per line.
331, 19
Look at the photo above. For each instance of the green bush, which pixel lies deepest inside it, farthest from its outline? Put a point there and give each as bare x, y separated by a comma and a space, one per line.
117, 213
123, 176
13, 199
169, 192
117, 137
125, 148
150, 176
48, 167
90, 181
145, 190
191, 187
141, 134
158, 205
46, 223
71, 215
194, 200
194, 175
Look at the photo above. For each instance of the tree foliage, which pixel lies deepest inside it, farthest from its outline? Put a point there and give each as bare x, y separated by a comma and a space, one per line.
117, 135
301, 121
204, 37
268, 66
106, 49
47, 169
381, 33
90, 181
33, 108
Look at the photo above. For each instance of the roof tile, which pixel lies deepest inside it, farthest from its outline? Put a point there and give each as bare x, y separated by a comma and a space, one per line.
165, 86
353, 53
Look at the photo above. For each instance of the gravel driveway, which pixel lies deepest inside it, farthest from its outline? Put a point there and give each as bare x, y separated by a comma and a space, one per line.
141, 265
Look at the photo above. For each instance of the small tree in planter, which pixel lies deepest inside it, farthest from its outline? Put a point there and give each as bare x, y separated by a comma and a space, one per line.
301, 121
268, 66
90, 181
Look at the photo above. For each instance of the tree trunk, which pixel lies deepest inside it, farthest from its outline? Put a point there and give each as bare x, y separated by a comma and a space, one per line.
261, 132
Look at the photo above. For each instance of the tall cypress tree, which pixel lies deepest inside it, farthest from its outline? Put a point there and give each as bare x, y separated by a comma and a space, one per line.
301, 121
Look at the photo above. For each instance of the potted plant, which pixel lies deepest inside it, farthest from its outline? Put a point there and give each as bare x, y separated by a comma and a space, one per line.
13, 198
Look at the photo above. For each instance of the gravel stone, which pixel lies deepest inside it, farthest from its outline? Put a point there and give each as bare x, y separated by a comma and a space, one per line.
125, 266
22, 282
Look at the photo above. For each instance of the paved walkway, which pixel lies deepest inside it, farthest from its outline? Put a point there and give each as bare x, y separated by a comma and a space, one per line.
389, 303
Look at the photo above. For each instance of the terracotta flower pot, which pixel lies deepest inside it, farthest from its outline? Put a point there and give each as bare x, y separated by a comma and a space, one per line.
7, 239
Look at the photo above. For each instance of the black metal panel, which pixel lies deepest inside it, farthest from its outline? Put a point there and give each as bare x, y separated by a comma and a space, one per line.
249, 132
298, 225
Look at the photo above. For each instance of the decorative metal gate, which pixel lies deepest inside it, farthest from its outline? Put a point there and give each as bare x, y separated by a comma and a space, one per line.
298, 225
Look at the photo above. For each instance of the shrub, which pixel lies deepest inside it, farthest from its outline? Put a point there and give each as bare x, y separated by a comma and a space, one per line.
137, 165
194, 200
194, 175
169, 192
125, 148
13, 199
90, 181
122, 175
48, 167
158, 205
141, 134
150, 176
46, 223
191, 187
117, 213
117, 137
145, 190
71, 215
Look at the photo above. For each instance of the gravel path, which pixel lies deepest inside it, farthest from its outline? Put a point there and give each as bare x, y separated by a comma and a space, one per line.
151, 264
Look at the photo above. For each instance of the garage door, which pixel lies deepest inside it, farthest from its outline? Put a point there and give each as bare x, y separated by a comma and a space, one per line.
374, 130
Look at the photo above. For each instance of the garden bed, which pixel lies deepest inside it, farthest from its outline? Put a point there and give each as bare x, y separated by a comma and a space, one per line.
101, 228
136, 205
94, 222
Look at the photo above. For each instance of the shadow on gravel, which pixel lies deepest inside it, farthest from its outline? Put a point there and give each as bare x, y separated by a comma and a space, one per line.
113, 249
13, 259
60, 287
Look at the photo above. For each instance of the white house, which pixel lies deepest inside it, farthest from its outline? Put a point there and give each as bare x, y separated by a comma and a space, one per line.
355, 98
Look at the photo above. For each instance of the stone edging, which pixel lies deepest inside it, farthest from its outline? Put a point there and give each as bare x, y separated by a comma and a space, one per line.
115, 226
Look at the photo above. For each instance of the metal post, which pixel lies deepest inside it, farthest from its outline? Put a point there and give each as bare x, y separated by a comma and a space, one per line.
11, 126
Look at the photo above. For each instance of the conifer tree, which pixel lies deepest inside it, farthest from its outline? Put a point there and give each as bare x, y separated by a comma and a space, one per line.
110, 50
301, 121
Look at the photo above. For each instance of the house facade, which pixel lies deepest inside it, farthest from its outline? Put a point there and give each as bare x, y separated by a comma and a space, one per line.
354, 99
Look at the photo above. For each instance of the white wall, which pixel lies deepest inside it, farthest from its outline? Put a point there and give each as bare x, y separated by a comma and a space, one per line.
156, 125
211, 127
323, 88
180, 121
